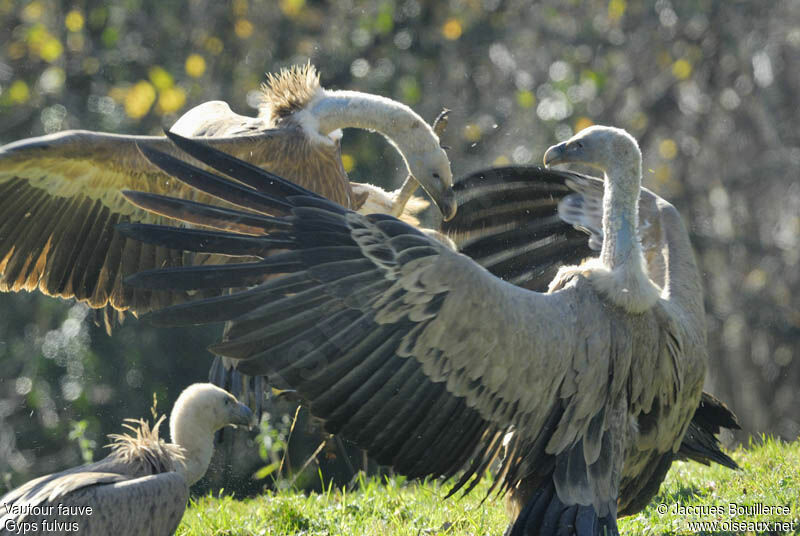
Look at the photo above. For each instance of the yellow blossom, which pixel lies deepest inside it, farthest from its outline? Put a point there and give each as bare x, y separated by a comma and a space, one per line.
452, 29
195, 65
139, 99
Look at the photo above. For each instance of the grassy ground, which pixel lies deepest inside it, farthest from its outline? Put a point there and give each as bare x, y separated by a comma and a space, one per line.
770, 477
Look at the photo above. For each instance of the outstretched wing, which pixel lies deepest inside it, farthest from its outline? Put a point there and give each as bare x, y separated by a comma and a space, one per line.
59, 203
285, 151
521, 223
61, 197
415, 352
508, 222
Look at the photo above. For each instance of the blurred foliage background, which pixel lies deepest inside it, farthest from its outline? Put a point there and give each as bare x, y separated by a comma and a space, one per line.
709, 87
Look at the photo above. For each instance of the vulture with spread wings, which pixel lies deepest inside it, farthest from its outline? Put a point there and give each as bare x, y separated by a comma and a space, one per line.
61, 194
427, 361
522, 223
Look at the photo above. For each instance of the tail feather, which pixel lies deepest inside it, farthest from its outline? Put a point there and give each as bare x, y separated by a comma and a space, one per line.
714, 414
700, 443
701, 446
545, 514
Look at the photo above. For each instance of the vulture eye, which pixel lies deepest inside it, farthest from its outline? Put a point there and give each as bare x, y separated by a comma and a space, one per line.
435, 175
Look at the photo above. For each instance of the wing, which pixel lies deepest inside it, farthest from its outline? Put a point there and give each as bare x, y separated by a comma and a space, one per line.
215, 119
147, 505
508, 222
53, 488
523, 223
700, 443
413, 351
61, 197
59, 202
57, 485
285, 151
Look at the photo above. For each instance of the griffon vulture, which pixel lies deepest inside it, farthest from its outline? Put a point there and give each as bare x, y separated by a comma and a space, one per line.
60, 195
517, 222
141, 487
426, 360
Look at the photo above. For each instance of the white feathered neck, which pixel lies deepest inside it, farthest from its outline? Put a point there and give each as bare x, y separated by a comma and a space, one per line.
192, 426
295, 94
620, 272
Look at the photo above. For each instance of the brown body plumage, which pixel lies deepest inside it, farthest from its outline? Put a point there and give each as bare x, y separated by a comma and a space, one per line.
61, 194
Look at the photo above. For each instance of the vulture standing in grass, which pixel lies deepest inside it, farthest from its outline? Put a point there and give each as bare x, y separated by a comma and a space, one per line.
141, 487
427, 361
60, 195
522, 223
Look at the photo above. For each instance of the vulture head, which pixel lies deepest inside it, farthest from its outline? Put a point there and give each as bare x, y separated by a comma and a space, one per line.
620, 272
601, 147
435, 163
208, 406
295, 96
200, 411
432, 170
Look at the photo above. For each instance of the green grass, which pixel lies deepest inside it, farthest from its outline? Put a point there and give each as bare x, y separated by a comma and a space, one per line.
770, 476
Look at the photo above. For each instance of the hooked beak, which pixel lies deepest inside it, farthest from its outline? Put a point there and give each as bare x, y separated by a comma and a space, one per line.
242, 416
440, 187
555, 155
443, 197
446, 203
